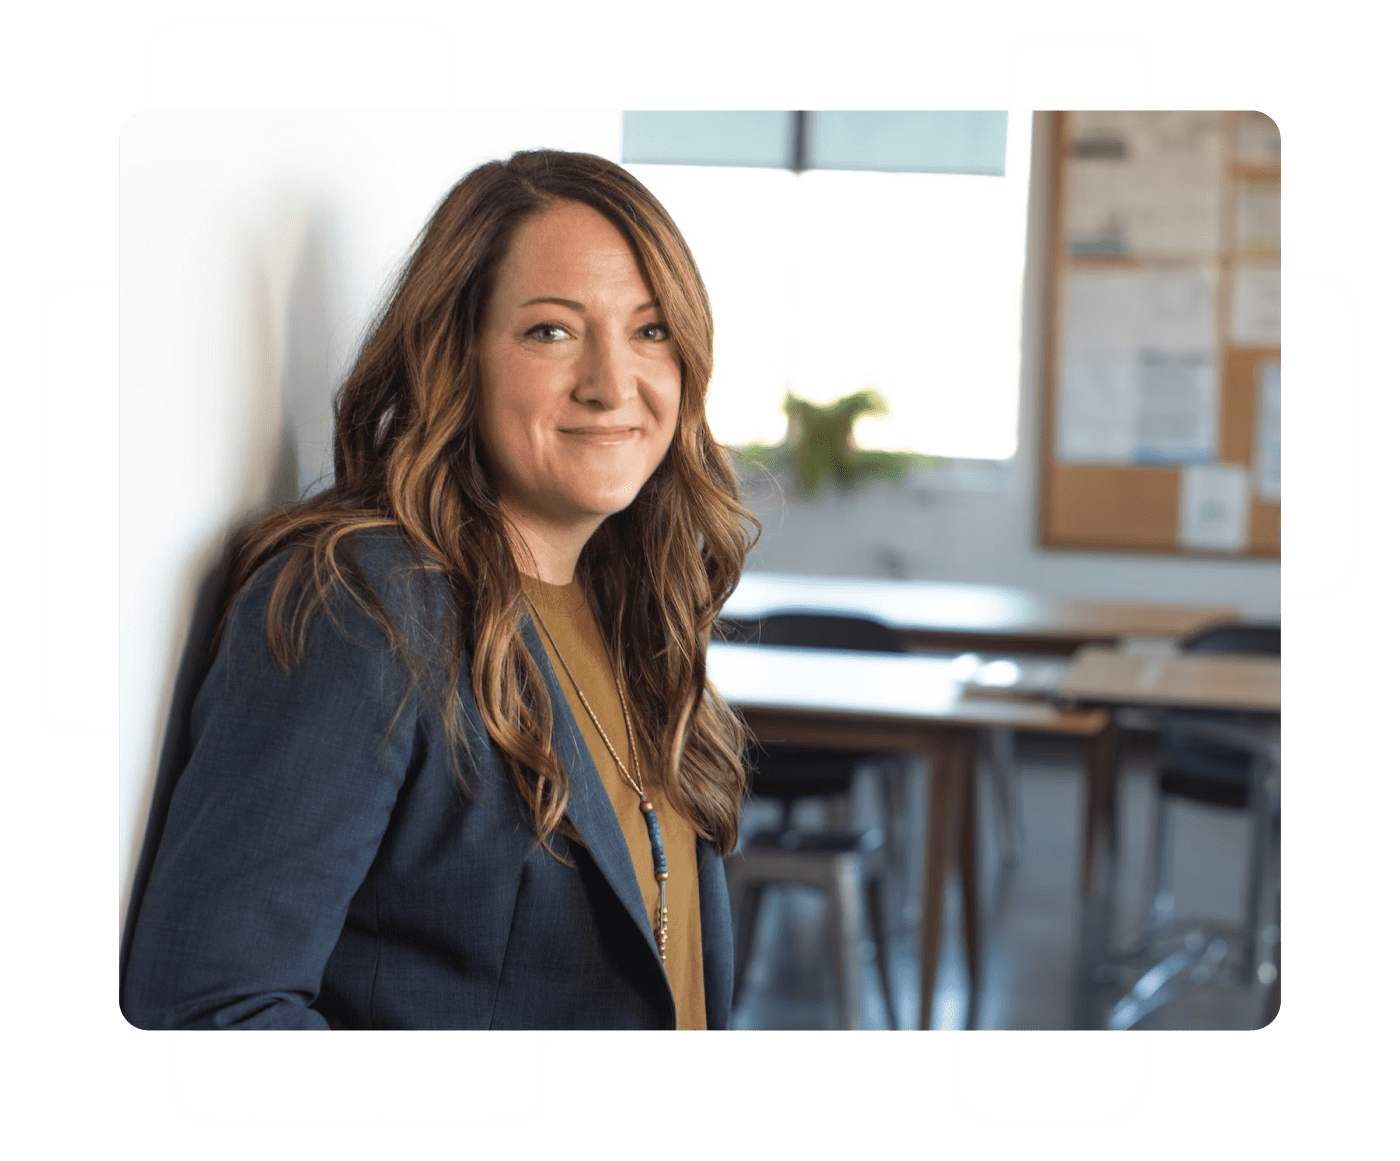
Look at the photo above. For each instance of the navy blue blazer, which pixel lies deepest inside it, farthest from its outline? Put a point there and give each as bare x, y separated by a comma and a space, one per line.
320, 867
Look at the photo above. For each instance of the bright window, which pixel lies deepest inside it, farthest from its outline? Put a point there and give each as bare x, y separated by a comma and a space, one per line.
828, 281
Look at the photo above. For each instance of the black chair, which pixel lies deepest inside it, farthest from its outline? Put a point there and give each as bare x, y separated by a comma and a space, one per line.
844, 863
1204, 759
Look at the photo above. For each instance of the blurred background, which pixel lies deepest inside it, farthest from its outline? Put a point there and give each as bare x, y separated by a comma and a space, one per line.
1015, 352
934, 287
1004, 384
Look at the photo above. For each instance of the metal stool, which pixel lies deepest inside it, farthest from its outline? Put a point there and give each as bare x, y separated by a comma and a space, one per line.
846, 865
845, 868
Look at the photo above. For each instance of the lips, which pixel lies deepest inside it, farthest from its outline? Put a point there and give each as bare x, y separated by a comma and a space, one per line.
598, 430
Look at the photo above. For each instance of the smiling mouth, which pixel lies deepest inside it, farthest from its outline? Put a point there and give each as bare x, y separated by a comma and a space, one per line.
600, 433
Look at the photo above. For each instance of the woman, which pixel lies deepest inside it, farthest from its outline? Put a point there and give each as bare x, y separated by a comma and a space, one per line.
456, 764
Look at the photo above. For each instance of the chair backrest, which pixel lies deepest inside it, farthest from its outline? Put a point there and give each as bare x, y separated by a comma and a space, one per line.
791, 772
829, 631
1261, 637
1202, 768
740, 630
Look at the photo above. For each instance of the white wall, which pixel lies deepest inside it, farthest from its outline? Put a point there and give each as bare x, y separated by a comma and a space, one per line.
977, 521
254, 249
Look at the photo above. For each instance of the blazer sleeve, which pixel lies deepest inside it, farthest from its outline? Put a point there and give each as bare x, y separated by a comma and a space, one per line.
273, 825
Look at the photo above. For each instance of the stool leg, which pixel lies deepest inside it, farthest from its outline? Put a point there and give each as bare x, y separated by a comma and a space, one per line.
875, 895
900, 848
845, 939
1100, 799
941, 775
1096, 761
968, 873
1000, 746
1006, 755
1109, 803
1158, 866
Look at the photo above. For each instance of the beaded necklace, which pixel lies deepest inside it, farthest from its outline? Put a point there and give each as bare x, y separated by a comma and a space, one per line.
658, 851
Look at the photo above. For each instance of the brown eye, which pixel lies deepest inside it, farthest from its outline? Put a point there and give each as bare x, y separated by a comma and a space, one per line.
655, 332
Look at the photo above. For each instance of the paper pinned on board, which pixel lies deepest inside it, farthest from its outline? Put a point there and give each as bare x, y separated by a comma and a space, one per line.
1144, 184
1138, 379
1176, 310
1257, 218
1214, 507
1177, 384
1097, 415
1176, 408
1255, 306
1267, 430
1097, 409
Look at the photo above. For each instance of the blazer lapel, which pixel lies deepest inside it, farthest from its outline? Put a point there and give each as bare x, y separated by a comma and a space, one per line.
590, 809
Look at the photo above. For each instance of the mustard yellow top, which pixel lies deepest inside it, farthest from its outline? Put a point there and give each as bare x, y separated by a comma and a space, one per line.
565, 611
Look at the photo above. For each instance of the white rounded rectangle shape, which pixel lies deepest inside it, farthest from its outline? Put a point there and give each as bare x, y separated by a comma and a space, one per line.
1049, 1077
359, 1076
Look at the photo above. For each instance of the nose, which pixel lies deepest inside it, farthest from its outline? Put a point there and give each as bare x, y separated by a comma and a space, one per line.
607, 380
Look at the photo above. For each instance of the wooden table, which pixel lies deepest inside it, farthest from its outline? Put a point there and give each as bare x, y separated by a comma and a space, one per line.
988, 618
845, 700
1212, 681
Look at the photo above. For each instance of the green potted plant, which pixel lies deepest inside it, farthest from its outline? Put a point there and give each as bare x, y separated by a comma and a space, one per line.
819, 445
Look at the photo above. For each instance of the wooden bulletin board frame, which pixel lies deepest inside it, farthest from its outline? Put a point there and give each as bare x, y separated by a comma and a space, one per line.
1133, 507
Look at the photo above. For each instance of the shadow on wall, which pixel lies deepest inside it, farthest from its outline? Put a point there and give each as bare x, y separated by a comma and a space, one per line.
309, 372
295, 381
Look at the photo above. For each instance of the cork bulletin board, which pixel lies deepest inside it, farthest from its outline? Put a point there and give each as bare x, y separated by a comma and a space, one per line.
1160, 424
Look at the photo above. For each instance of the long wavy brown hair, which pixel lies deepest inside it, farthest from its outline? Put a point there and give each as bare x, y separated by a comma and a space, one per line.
408, 456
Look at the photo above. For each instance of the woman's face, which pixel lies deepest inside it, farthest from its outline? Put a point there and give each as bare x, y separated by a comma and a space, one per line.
580, 380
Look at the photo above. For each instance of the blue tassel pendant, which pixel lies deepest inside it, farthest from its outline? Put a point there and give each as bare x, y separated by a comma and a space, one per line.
658, 860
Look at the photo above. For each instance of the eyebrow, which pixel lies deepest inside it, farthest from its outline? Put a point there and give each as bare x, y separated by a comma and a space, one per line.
578, 306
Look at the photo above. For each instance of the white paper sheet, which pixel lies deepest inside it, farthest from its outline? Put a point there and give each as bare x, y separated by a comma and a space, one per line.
1214, 507
1255, 302
1176, 407
1096, 420
1144, 184
1098, 206
1257, 218
1267, 429
1138, 380
1176, 310
1097, 407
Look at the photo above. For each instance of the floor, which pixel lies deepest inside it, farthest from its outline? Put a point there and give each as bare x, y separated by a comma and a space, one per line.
1048, 953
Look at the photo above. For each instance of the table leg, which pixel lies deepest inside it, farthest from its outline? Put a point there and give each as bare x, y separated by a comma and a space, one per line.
941, 777
966, 771
1112, 738
1093, 769
1100, 798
